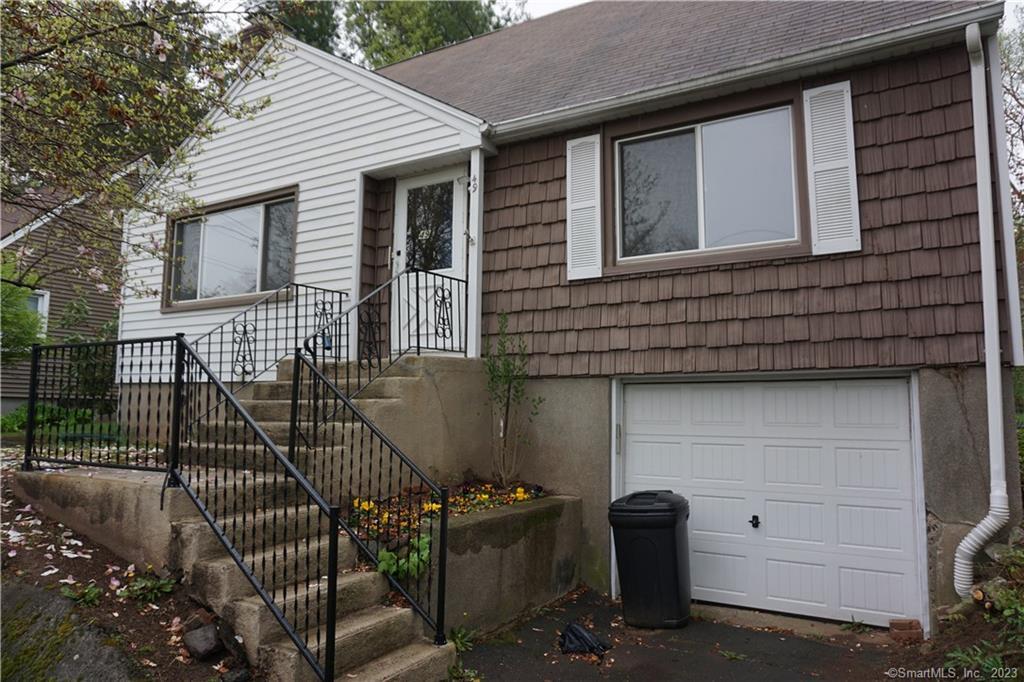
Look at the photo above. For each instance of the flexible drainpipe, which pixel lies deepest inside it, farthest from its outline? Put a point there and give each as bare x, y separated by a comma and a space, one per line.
999, 503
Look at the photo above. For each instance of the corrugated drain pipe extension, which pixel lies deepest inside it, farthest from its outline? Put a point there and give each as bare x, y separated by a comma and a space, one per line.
999, 503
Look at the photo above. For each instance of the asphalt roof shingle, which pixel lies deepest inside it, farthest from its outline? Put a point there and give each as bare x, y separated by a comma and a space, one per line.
606, 49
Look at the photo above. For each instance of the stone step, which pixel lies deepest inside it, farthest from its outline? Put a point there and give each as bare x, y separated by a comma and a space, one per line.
250, 617
386, 386
360, 638
296, 561
407, 366
281, 410
195, 540
416, 662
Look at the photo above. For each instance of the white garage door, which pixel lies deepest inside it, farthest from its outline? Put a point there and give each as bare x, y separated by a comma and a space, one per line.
826, 468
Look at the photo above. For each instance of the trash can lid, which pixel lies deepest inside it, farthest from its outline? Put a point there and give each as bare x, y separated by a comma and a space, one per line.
651, 502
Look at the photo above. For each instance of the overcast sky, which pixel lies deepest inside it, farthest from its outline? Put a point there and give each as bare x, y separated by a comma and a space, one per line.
538, 8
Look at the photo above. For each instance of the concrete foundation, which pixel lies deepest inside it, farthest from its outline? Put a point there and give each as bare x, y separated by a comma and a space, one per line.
504, 562
954, 444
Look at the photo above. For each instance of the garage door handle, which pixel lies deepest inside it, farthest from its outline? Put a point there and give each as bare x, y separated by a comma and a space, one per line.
754, 521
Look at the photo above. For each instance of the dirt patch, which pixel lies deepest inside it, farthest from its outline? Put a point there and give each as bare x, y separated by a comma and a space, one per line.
133, 610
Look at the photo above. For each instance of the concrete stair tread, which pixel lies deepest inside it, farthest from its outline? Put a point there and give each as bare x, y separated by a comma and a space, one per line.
421, 661
360, 638
288, 594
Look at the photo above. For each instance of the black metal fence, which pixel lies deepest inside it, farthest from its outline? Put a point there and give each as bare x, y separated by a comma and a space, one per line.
102, 404
414, 311
164, 404
256, 339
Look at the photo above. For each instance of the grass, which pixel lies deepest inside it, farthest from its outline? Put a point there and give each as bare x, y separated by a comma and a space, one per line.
732, 655
856, 627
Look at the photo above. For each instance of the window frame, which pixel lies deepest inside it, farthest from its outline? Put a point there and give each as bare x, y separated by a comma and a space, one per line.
44, 307
263, 199
698, 134
691, 116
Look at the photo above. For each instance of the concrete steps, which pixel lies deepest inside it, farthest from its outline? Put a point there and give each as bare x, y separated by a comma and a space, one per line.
414, 662
219, 581
250, 617
372, 641
360, 638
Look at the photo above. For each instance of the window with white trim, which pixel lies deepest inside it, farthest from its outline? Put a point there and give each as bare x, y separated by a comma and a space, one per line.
234, 251
39, 303
717, 185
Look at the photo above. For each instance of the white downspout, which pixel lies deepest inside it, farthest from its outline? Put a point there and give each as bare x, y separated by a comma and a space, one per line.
1005, 213
999, 503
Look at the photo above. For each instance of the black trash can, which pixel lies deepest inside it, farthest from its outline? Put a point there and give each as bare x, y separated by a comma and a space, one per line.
652, 553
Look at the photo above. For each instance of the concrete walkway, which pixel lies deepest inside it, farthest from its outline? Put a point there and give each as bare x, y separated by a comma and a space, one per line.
703, 650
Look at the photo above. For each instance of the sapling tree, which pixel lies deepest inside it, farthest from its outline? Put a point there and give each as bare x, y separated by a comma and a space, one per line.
505, 364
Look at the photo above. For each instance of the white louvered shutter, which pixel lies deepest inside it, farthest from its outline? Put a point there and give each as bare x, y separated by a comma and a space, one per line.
583, 207
831, 169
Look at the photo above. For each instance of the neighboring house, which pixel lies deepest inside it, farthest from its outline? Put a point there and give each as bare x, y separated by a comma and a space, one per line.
61, 287
759, 254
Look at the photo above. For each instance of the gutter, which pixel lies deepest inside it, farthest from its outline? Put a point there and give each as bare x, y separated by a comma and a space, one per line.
999, 503
814, 61
1005, 212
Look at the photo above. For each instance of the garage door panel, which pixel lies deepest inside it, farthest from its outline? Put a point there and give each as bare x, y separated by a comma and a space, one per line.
826, 466
718, 574
719, 515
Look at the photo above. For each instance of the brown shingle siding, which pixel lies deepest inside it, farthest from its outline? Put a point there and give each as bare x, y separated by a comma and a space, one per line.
910, 296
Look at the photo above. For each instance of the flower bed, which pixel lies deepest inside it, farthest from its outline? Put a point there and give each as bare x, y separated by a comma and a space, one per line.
393, 520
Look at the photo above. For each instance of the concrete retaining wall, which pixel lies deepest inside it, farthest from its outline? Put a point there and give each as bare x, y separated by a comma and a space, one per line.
504, 562
117, 509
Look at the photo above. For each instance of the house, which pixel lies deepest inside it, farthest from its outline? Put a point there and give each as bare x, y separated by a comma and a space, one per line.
760, 254
62, 288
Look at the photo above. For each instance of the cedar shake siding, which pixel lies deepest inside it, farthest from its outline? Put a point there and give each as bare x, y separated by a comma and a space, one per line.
911, 296
64, 288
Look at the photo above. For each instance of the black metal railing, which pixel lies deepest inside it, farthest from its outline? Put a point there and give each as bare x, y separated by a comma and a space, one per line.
102, 404
155, 404
413, 312
244, 347
393, 511
164, 404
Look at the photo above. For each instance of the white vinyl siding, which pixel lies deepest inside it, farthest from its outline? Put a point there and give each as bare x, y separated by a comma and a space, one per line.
583, 207
326, 124
831, 169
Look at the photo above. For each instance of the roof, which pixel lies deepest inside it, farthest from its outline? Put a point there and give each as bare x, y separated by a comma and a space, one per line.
603, 50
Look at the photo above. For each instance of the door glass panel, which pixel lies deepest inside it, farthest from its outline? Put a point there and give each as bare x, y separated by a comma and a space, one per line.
429, 226
231, 252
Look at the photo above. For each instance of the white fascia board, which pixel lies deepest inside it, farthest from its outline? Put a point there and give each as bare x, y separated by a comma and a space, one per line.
949, 28
414, 99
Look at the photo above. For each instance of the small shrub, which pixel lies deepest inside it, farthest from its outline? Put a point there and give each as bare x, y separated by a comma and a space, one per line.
147, 588
415, 561
505, 364
87, 596
983, 657
462, 639
855, 626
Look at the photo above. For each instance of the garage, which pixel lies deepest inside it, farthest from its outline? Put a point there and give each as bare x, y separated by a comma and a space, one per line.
802, 493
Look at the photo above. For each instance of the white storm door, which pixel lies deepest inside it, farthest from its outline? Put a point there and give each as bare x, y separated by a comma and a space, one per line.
826, 468
428, 309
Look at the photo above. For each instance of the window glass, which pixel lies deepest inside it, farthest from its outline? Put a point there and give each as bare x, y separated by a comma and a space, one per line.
748, 180
429, 226
185, 286
237, 251
658, 195
279, 244
230, 252
34, 302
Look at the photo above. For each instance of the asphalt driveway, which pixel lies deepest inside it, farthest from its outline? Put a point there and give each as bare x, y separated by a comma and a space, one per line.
703, 650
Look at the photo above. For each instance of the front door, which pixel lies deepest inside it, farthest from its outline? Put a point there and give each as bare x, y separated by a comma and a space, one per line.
428, 311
